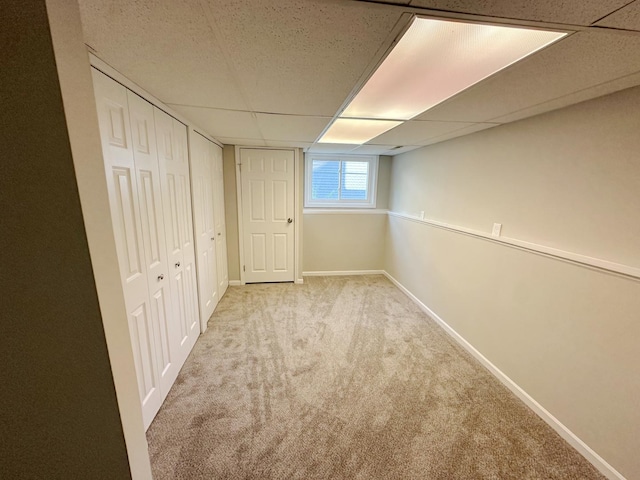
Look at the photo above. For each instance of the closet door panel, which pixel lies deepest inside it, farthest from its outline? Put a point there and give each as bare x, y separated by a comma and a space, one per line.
219, 219
153, 234
140, 326
181, 155
171, 138
122, 186
193, 324
202, 184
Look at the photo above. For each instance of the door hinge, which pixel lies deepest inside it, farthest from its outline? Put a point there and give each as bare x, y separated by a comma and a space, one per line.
244, 268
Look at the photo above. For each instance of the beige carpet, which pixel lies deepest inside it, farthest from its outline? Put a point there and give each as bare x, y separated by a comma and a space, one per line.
344, 378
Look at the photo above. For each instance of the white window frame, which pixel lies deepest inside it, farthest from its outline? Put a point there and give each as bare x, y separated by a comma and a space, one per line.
372, 186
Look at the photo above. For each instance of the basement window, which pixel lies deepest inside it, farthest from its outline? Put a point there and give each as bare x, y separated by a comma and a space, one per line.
340, 181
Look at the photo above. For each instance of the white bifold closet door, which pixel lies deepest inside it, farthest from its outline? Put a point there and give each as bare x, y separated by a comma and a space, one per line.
176, 197
145, 155
219, 217
202, 165
211, 241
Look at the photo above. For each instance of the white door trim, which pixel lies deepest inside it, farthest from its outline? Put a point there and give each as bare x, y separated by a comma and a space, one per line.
296, 206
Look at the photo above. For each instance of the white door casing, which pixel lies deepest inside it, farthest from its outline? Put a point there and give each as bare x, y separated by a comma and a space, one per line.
267, 178
153, 234
117, 146
202, 165
171, 137
219, 218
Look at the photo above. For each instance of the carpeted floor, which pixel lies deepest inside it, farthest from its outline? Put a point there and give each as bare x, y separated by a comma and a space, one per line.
344, 378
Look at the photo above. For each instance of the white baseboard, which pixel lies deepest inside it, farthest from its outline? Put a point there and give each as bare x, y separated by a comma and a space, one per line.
334, 273
237, 283
582, 448
299, 281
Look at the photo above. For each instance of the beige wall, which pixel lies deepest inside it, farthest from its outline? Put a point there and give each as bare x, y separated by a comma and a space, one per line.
384, 182
565, 333
81, 117
568, 179
231, 211
60, 417
346, 242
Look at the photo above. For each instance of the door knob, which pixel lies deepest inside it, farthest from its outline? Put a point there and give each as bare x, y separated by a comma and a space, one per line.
289, 220
161, 277
177, 264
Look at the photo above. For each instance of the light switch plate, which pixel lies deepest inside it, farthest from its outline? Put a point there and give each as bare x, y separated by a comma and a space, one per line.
497, 228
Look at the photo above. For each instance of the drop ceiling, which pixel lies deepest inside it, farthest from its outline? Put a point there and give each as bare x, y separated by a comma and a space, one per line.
276, 72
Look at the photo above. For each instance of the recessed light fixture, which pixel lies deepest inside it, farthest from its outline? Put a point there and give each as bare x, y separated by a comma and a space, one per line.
433, 61
356, 131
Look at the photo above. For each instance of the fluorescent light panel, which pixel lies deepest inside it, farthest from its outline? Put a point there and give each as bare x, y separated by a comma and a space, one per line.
356, 131
433, 61
436, 59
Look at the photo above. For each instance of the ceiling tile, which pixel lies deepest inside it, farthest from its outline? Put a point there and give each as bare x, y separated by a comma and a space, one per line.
332, 148
291, 127
372, 149
573, 98
300, 56
222, 123
277, 143
165, 47
576, 12
405, 149
581, 61
414, 131
304, 57
243, 142
627, 18
459, 133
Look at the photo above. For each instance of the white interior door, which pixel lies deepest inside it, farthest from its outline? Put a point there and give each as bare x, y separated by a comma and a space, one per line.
153, 234
268, 214
176, 196
117, 147
219, 217
202, 183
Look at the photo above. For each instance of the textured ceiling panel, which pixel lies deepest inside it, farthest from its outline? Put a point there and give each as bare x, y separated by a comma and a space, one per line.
166, 47
576, 12
627, 18
332, 148
405, 149
372, 149
244, 142
477, 127
580, 96
291, 127
299, 56
581, 61
280, 144
248, 61
222, 123
413, 132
